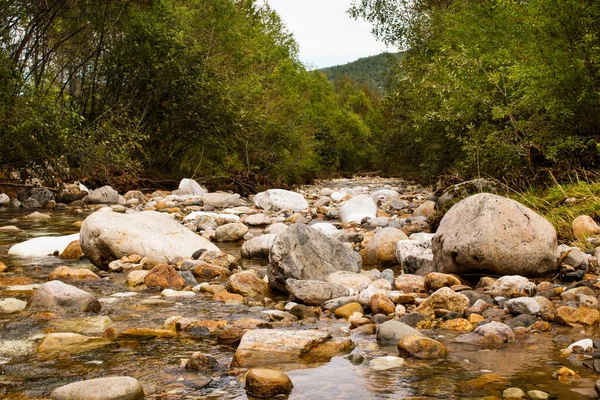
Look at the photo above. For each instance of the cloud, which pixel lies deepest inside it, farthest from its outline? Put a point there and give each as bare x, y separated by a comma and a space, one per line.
325, 33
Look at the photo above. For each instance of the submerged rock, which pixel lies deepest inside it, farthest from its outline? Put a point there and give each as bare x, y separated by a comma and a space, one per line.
303, 253
110, 388
108, 236
490, 233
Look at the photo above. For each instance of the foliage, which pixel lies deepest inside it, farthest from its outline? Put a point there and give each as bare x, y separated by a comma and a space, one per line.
372, 71
501, 88
113, 91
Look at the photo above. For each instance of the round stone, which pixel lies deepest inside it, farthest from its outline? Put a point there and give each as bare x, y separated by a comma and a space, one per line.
263, 382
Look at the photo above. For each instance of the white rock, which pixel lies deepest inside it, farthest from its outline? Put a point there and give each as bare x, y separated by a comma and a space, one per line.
585, 344
258, 247
357, 208
4, 200
279, 199
225, 217
42, 246
176, 293
190, 186
10, 305
325, 228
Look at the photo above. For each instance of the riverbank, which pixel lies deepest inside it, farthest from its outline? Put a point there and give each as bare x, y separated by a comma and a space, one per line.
490, 334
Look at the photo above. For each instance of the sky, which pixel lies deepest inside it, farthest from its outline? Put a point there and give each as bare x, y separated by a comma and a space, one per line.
325, 33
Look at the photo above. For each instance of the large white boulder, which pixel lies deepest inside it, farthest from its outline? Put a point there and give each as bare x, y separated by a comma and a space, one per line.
279, 199
358, 208
108, 236
494, 234
42, 246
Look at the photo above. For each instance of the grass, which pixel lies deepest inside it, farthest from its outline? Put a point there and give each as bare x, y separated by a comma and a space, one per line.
561, 204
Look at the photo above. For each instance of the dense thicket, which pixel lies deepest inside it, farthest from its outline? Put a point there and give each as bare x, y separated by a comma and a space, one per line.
114, 90
505, 88
373, 71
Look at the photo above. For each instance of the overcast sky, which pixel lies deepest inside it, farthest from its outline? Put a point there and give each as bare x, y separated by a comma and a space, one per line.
325, 32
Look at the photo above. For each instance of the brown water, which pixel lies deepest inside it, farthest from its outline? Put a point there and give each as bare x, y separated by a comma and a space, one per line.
528, 364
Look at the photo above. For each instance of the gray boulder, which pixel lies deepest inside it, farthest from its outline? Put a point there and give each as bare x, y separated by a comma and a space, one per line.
103, 195
315, 293
59, 297
40, 194
489, 233
303, 253
108, 236
110, 388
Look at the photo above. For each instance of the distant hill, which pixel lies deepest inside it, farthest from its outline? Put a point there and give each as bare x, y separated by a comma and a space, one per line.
369, 70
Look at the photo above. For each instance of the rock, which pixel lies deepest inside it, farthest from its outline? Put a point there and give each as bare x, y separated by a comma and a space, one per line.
191, 187
513, 393
427, 210
231, 232
31, 203
437, 280
539, 395
103, 195
460, 324
136, 278
577, 316
365, 295
109, 388
415, 256
11, 306
352, 280
422, 347
467, 188
523, 305
381, 304
230, 336
511, 285
385, 363
60, 297
325, 228
303, 253
573, 256
547, 309
4, 200
445, 299
279, 199
37, 215
584, 345
170, 293
381, 249
72, 251
40, 195
489, 382
248, 284
490, 233
409, 283
267, 383
42, 246
258, 247
150, 234
393, 331
276, 228
221, 200
55, 345
164, 276
228, 298
495, 332
199, 361
313, 292
217, 257
584, 226
275, 347
258, 219
135, 194
67, 274
358, 208
205, 271
347, 310
93, 325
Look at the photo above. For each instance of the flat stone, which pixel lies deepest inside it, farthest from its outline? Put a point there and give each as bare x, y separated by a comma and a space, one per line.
385, 363
109, 388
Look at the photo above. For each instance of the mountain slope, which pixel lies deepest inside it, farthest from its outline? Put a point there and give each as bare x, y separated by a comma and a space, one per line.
369, 70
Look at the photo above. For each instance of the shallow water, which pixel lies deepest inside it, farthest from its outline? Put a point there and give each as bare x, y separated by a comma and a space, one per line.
528, 364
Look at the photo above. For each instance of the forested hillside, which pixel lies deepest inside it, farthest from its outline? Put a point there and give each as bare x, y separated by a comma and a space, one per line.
509, 89
122, 92
371, 71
